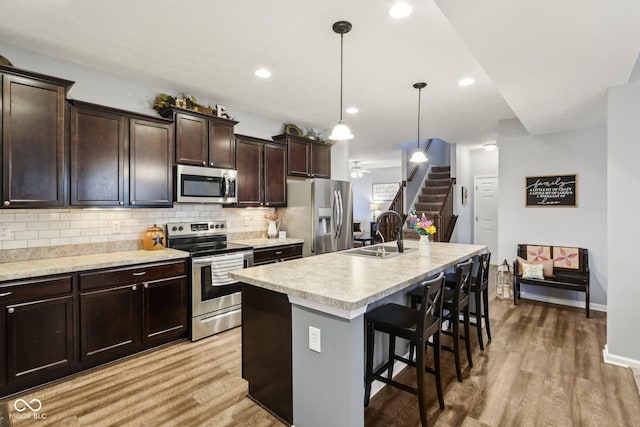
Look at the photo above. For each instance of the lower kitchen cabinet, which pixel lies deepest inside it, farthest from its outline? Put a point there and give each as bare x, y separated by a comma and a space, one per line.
53, 326
124, 310
273, 254
37, 331
109, 323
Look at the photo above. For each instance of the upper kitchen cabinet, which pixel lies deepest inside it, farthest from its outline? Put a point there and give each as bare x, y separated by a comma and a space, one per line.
33, 139
150, 162
307, 157
119, 158
203, 140
262, 172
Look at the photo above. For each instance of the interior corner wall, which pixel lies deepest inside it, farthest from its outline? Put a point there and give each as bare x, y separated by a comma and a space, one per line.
623, 150
463, 231
583, 152
363, 191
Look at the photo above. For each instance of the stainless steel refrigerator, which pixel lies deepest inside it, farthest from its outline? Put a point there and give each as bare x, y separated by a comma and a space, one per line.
320, 211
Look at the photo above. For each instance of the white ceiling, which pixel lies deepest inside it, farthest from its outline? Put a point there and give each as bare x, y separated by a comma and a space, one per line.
546, 62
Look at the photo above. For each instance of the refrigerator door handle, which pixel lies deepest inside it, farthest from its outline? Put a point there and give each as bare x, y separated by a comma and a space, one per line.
340, 214
336, 211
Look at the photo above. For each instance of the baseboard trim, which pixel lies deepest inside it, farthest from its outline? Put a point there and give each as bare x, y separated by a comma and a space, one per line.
561, 301
613, 359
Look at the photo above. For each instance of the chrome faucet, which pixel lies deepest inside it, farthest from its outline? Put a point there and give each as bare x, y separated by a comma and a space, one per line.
399, 239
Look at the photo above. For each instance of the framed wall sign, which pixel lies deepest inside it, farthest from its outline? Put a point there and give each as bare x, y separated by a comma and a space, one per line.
551, 191
385, 191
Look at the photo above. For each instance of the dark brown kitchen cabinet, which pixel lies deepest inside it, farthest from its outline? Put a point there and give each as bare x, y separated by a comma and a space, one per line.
203, 140
37, 331
150, 162
98, 146
33, 139
124, 310
262, 166
306, 157
119, 158
273, 254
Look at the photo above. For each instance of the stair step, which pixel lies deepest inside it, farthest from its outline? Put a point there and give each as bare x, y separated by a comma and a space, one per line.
437, 183
431, 198
428, 207
426, 191
440, 168
439, 175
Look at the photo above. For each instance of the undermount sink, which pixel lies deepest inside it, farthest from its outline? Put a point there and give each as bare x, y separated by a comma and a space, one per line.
375, 251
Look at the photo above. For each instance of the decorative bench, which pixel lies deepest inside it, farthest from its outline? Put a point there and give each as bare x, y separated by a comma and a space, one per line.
557, 267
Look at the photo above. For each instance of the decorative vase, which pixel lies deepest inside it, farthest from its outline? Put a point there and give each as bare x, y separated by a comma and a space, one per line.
154, 239
272, 230
424, 248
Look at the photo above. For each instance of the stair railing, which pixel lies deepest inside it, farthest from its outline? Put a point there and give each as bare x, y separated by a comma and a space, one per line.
442, 220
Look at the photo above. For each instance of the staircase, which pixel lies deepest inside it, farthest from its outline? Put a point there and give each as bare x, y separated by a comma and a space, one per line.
436, 202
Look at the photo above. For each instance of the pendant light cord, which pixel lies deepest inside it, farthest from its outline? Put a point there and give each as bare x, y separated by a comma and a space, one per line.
341, 59
419, 96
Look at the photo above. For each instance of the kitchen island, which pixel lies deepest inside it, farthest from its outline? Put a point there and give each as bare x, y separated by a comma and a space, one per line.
331, 293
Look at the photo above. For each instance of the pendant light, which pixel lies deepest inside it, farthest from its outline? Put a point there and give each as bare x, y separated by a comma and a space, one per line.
418, 155
341, 131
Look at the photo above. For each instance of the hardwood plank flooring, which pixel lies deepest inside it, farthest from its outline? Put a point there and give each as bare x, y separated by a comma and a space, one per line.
543, 367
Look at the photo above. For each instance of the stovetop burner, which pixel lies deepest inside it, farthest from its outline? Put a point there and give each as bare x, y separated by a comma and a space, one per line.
202, 238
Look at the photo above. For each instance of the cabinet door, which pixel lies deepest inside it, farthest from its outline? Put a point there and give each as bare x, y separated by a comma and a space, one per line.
97, 158
192, 142
109, 323
275, 175
39, 338
32, 143
320, 161
249, 184
222, 146
150, 163
299, 153
164, 308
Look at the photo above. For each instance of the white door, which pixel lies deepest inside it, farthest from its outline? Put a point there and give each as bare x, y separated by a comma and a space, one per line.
485, 202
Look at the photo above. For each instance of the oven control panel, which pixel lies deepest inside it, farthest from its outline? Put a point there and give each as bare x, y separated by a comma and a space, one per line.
186, 229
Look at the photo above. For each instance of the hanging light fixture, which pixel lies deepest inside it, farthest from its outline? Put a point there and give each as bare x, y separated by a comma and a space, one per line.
418, 155
341, 131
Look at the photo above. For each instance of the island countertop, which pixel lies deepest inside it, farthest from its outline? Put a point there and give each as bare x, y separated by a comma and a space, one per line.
343, 285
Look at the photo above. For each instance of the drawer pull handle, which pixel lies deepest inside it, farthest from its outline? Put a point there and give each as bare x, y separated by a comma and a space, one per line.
5, 294
278, 252
141, 273
134, 287
7, 203
146, 286
11, 310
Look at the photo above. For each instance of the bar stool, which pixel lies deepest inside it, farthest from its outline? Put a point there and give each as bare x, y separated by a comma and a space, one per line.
480, 291
417, 326
456, 301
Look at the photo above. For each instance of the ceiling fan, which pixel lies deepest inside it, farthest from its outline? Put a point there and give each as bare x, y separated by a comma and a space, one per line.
357, 171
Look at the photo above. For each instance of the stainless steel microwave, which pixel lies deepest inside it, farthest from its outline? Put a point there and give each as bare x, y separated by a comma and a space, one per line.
195, 184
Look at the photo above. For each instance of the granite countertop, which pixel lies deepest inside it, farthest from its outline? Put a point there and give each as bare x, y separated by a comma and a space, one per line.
44, 267
343, 285
267, 243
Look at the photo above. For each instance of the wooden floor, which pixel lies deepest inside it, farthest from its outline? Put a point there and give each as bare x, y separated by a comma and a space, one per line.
543, 367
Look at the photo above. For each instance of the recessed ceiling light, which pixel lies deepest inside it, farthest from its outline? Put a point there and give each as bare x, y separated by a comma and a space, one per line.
263, 73
352, 110
400, 10
467, 81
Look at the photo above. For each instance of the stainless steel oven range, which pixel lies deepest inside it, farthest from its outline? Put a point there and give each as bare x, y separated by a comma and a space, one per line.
216, 298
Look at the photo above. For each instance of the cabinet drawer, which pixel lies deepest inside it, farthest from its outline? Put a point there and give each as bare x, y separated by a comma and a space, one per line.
277, 253
133, 274
35, 289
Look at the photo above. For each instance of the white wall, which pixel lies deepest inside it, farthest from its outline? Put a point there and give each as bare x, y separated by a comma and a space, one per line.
623, 133
363, 190
583, 152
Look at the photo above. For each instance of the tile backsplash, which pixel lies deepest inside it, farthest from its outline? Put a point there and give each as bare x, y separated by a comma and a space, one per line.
38, 228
